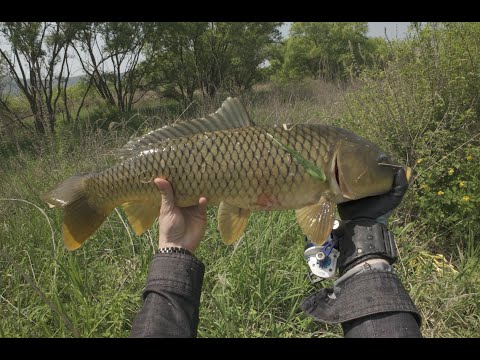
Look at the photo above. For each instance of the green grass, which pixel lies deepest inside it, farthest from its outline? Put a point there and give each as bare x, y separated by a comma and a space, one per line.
251, 289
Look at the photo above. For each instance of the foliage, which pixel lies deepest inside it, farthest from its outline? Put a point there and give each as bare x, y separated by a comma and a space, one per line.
416, 98
252, 289
110, 54
422, 105
123, 62
448, 194
209, 57
324, 50
36, 61
174, 53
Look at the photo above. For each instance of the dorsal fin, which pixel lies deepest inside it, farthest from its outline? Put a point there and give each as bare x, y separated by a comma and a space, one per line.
232, 114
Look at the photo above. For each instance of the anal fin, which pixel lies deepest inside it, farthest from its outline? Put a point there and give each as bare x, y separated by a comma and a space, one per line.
232, 221
141, 214
316, 221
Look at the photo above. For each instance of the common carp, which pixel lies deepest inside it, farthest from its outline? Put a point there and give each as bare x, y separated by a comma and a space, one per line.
235, 164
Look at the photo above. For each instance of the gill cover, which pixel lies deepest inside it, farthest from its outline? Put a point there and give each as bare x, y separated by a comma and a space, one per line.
360, 172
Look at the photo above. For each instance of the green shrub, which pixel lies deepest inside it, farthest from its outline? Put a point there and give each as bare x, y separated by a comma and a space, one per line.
422, 105
447, 193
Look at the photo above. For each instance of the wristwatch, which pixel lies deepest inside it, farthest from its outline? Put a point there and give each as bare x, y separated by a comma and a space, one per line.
173, 250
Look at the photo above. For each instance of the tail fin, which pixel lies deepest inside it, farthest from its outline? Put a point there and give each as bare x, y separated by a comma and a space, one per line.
81, 216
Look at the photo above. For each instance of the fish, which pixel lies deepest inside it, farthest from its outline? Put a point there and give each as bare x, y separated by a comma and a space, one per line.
237, 165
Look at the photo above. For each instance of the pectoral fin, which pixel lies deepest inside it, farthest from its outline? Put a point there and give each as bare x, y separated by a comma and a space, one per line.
316, 221
232, 221
141, 214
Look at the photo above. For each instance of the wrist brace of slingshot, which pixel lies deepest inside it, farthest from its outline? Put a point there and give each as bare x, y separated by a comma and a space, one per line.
363, 239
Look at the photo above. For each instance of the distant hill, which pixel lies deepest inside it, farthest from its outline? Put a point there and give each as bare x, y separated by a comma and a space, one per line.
8, 85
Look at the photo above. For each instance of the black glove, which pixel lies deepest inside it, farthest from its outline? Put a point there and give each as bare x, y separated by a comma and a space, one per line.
363, 233
369, 299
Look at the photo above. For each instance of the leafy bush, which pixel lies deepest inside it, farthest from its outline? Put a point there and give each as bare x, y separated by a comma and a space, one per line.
447, 192
420, 102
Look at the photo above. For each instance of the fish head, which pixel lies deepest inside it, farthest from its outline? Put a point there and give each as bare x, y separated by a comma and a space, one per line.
361, 168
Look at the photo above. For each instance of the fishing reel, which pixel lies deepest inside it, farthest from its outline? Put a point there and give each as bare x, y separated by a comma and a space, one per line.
322, 260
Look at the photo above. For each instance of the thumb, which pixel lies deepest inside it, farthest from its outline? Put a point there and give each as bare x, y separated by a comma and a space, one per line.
202, 207
168, 202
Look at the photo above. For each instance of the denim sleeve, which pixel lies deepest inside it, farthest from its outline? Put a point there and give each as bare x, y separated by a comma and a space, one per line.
391, 324
171, 298
370, 304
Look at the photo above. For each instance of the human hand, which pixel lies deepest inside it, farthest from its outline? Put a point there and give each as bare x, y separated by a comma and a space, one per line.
377, 207
180, 227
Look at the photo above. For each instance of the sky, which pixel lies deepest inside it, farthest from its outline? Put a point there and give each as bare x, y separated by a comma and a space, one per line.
394, 30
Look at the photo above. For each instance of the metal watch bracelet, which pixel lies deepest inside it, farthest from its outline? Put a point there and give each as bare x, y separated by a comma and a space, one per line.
173, 250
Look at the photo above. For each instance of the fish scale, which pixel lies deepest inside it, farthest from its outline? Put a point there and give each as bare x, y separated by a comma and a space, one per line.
240, 167
199, 166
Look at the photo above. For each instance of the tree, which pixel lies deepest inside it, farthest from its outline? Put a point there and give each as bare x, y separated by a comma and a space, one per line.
209, 56
323, 50
275, 57
110, 54
231, 54
174, 50
36, 61
253, 45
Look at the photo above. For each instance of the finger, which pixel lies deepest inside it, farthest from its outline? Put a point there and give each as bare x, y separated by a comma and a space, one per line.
168, 202
202, 206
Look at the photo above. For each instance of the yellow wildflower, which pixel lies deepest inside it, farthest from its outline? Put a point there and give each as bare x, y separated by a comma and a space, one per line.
469, 157
461, 183
419, 161
466, 198
450, 171
424, 186
440, 193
